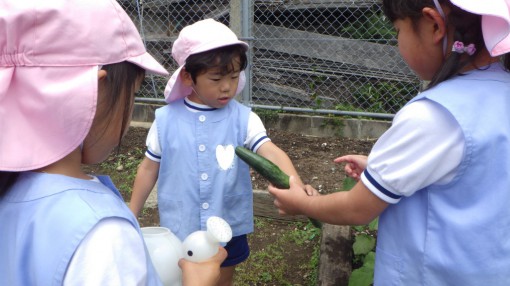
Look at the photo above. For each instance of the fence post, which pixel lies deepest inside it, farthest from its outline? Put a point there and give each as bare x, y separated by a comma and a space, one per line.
241, 22
335, 265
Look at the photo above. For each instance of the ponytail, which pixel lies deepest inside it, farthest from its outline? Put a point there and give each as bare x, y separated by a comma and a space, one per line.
468, 30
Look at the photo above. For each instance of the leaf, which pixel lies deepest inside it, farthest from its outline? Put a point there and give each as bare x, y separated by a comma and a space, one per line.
363, 244
374, 225
348, 183
364, 276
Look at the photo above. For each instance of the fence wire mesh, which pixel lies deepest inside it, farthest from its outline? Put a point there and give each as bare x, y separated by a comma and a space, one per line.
336, 56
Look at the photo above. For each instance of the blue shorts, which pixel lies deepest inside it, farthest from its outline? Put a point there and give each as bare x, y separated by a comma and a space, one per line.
237, 249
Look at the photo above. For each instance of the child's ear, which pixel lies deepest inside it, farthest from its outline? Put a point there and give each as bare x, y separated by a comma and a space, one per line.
437, 24
186, 77
101, 74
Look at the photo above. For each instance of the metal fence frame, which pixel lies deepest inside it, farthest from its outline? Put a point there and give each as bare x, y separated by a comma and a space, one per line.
307, 56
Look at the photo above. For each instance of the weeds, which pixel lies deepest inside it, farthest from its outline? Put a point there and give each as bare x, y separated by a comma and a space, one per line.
270, 264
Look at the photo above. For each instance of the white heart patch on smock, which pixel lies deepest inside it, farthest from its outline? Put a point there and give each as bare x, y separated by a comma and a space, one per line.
225, 156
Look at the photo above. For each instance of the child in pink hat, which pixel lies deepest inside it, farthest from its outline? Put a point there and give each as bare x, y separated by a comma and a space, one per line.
190, 146
439, 177
66, 96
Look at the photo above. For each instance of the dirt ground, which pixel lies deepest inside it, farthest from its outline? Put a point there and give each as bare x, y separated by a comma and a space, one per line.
313, 159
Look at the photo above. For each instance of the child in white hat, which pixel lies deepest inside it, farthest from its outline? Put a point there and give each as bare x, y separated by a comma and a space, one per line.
66, 96
190, 146
439, 177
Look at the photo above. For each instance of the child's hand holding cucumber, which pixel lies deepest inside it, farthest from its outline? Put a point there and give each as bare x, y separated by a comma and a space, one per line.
272, 173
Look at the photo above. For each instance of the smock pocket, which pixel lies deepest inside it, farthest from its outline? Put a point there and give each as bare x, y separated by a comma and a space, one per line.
388, 269
170, 214
238, 210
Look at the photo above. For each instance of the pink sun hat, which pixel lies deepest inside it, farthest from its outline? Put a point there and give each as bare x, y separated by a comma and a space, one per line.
49, 57
201, 36
495, 22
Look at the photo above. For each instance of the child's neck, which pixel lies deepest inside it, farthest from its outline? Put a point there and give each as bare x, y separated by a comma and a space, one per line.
483, 59
196, 102
69, 166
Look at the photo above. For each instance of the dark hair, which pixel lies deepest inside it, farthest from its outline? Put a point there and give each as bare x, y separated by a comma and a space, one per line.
118, 75
468, 29
7, 179
222, 58
120, 81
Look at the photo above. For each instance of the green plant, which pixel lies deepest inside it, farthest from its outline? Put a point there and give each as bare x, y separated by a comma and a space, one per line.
268, 264
384, 96
304, 233
370, 25
336, 122
122, 167
266, 115
364, 276
314, 85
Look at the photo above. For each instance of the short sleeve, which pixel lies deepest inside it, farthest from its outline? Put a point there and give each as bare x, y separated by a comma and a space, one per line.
112, 253
256, 135
424, 146
153, 151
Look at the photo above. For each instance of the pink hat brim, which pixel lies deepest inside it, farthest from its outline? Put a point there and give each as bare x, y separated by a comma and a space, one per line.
495, 22
148, 63
47, 124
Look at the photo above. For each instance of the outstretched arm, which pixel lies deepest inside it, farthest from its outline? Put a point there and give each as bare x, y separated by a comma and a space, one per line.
355, 207
276, 155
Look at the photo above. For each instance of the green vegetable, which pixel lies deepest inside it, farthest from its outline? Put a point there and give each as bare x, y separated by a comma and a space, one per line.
269, 171
264, 167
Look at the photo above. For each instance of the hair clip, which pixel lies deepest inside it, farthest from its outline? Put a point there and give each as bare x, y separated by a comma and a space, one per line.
459, 47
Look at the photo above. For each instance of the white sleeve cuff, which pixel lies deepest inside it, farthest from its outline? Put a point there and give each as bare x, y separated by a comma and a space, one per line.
378, 189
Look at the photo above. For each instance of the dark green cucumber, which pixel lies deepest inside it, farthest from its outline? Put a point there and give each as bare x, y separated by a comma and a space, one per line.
269, 171
264, 167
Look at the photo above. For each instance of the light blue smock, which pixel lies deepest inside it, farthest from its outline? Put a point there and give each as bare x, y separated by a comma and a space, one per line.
459, 233
199, 175
43, 219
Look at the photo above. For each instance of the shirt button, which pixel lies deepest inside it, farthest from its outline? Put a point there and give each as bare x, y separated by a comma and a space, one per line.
205, 206
204, 176
201, 118
201, 147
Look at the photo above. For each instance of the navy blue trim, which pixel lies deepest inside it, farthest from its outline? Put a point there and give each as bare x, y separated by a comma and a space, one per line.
258, 141
153, 155
379, 187
199, 108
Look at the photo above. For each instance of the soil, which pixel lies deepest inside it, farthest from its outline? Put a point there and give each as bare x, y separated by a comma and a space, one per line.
313, 159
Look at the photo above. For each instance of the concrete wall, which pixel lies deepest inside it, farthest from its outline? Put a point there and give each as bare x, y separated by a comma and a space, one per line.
320, 126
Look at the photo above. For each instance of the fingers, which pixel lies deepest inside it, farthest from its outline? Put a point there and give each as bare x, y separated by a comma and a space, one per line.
203, 273
278, 205
310, 191
220, 256
183, 263
353, 159
355, 165
287, 201
342, 159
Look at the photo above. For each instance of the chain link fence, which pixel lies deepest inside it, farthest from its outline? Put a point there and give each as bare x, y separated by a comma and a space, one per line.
336, 57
